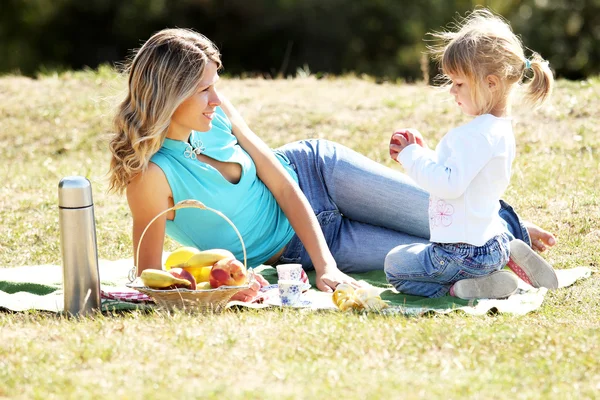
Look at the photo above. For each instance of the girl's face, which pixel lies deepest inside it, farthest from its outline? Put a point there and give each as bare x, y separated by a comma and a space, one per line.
197, 111
461, 90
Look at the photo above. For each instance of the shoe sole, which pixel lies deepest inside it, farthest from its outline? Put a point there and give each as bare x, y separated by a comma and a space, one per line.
497, 285
531, 267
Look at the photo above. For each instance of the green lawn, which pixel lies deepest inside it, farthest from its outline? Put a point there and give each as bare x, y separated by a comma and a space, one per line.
58, 125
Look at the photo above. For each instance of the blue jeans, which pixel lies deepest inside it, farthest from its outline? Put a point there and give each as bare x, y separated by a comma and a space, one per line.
430, 269
364, 208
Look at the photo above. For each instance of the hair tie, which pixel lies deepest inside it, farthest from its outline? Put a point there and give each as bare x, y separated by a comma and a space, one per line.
527, 64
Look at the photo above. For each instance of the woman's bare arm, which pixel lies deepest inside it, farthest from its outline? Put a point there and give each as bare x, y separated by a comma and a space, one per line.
148, 195
291, 200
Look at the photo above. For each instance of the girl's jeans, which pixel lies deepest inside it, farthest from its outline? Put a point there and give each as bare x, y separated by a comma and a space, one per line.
430, 269
364, 208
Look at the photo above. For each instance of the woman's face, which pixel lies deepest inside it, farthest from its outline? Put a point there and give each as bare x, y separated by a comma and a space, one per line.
196, 112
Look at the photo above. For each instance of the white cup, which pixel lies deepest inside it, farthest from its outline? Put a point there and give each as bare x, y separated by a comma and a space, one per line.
289, 272
290, 291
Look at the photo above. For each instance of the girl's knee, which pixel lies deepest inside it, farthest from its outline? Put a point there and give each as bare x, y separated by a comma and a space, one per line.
391, 263
391, 275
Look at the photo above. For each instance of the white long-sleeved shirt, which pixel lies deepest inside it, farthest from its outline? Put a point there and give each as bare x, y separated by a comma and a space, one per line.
466, 175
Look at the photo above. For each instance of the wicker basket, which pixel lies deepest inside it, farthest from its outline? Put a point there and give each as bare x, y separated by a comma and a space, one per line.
204, 301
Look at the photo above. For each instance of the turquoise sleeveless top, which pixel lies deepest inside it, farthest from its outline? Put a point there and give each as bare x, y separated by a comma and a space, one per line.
248, 204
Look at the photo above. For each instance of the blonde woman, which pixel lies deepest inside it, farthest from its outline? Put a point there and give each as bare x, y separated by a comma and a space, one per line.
470, 169
311, 202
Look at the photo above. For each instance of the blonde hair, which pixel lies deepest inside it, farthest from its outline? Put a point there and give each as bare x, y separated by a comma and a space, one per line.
164, 72
484, 44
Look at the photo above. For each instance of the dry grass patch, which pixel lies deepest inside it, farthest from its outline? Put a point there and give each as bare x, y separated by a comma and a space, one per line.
57, 126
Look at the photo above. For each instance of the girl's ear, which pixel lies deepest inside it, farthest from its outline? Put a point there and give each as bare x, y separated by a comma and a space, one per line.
493, 82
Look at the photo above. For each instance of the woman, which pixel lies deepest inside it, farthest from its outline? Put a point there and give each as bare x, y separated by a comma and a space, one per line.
313, 202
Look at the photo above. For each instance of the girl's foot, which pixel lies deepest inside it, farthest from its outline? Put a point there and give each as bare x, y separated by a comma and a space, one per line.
541, 239
497, 285
530, 266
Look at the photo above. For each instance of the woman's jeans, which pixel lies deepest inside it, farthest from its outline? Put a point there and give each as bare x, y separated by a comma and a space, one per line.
364, 208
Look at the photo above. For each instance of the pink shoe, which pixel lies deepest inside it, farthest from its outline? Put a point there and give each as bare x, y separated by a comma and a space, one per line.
531, 267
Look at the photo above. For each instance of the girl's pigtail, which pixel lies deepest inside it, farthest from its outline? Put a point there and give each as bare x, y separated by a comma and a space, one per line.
539, 88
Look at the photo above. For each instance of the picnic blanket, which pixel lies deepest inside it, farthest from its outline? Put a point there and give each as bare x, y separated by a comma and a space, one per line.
39, 287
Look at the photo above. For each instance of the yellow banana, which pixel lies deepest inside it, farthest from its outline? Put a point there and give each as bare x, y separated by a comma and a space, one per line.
369, 299
347, 298
201, 274
203, 286
159, 279
206, 258
347, 304
375, 304
180, 255
342, 292
362, 294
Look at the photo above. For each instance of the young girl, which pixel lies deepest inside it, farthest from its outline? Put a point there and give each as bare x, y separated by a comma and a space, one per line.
470, 169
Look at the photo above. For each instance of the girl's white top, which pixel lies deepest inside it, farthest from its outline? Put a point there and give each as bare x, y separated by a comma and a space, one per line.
465, 176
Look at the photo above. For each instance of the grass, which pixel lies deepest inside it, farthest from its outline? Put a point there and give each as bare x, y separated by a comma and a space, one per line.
58, 125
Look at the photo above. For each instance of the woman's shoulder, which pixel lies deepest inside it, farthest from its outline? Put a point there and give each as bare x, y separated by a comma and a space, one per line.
148, 194
150, 181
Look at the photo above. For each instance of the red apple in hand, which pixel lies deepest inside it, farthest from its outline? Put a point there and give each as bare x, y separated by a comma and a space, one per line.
183, 274
395, 140
228, 272
416, 134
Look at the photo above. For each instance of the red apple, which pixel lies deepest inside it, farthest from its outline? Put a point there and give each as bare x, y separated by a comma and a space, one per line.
228, 272
183, 274
396, 140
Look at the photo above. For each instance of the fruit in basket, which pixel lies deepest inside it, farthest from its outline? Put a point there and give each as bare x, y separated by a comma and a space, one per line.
159, 279
206, 258
203, 286
183, 274
179, 256
228, 272
201, 274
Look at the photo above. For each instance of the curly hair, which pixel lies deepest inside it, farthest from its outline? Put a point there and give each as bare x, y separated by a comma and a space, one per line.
484, 44
164, 72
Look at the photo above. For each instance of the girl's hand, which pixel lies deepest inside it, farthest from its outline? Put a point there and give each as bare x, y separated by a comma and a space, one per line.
404, 138
330, 277
247, 295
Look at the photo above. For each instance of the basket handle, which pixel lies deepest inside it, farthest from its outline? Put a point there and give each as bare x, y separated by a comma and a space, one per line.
190, 203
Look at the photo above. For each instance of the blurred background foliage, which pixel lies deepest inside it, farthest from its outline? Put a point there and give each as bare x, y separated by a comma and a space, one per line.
381, 38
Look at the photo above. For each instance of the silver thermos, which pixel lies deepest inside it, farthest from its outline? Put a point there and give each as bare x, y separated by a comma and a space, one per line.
81, 281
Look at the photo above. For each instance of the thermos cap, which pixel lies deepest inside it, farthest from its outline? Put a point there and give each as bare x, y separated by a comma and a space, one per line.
74, 192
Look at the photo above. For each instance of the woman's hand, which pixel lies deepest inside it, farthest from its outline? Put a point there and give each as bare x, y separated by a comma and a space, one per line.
329, 277
247, 295
404, 138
